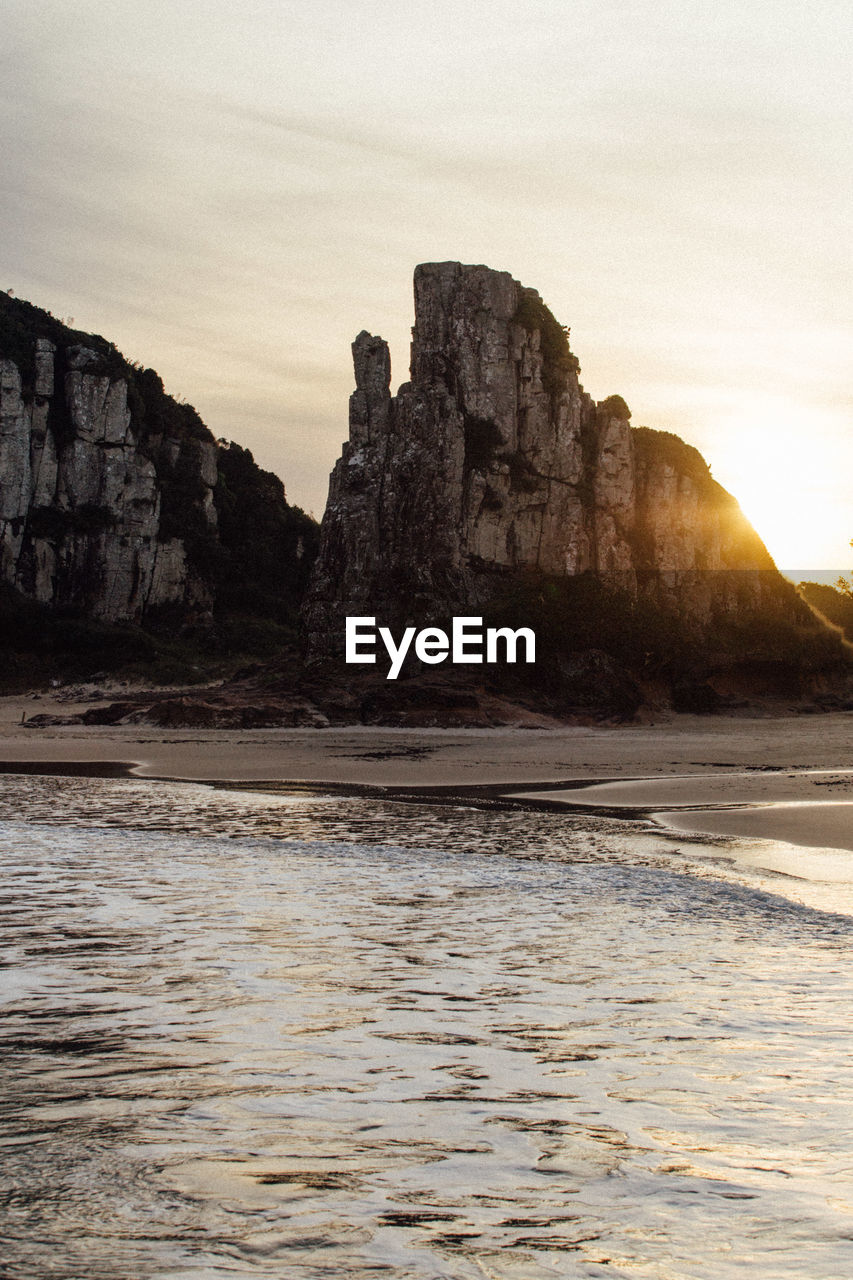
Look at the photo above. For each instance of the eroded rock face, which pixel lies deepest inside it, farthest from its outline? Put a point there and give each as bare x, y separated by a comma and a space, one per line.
80, 504
494, 459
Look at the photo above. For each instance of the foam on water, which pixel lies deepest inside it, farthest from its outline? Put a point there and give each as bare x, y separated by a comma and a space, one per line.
252, 1036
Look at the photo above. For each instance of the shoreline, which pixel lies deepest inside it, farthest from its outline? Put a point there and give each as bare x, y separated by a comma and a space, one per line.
782, 821
730, 805
784, 779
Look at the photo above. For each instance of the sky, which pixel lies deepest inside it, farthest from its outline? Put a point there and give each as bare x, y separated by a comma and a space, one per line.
231, 195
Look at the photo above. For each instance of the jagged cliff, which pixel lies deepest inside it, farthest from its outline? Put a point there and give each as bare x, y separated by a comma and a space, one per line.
491, 483
494, 461
115, 499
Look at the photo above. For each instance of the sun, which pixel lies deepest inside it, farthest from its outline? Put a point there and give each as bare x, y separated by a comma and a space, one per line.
785, 488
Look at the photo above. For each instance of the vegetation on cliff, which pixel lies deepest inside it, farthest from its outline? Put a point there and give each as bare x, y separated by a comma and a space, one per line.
701, 619
252, 553
833, 603
558, 360
268, 547
22, 323
615, 407
599, 646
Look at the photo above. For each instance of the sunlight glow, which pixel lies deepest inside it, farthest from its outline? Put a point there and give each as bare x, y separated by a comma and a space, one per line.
785, 489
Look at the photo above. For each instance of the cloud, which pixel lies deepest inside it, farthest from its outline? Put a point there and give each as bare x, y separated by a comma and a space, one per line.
231, 195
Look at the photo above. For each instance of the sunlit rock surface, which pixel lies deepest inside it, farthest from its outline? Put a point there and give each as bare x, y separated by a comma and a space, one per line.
493, 458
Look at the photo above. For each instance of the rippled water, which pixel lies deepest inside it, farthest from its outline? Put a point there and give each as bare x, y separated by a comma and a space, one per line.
260, 1036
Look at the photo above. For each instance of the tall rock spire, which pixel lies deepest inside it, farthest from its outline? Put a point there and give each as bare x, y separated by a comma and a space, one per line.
493, 460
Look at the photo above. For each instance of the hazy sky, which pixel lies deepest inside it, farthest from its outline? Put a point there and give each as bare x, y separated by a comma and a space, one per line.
231, 195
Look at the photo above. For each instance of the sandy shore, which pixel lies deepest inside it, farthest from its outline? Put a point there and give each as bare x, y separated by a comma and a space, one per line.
809, 807
795, 769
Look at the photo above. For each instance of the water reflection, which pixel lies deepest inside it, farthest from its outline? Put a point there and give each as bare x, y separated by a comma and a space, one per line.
236, 1055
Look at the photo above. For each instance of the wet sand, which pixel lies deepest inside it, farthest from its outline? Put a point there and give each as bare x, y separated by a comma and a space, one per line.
687, 770
807, 807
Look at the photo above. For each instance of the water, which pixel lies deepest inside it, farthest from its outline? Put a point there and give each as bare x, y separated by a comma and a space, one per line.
262, 1036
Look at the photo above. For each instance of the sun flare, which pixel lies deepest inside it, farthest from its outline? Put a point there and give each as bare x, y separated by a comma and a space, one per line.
784, 490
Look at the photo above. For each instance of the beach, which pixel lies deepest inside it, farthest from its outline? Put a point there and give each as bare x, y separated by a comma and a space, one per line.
425, 1004
785, 778
254, 1031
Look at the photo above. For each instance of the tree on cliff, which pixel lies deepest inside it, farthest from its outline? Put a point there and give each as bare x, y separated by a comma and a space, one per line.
845, 586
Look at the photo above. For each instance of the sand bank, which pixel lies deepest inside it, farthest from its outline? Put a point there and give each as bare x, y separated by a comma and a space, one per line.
809, 807
815, 825
798, 768
692, 745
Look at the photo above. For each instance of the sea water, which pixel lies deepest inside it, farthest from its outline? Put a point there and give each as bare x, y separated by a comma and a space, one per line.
251, 1035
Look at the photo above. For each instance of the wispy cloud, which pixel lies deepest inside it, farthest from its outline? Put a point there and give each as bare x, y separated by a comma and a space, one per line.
232, 195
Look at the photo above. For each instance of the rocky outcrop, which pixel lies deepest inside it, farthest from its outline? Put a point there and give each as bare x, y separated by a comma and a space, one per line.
494, 462
80, 503
115, 499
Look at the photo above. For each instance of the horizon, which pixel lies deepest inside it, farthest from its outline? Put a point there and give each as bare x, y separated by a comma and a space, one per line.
233, 209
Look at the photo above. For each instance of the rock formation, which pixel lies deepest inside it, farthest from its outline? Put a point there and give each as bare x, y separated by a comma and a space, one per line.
115, 499
490, 484
79, 503
493, 462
